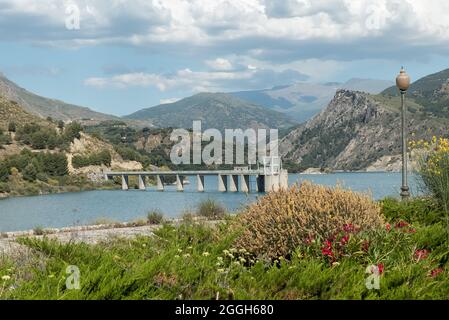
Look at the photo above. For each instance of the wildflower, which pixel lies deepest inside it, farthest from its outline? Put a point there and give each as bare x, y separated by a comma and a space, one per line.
225, 252
206, 254
190, 248
421, 254
51, 276
243, 250
326, 250
242, 260
401, 224
348, 227
388, 227
6, 278
380, 268
187, 255
435, 272
176, 256
144, 245
344, 240
220, 270
179, 250
220, 259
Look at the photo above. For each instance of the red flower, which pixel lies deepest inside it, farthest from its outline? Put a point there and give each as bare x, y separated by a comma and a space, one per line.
348, 227
411, 230
421, 254
380, 268
388, 227
435, 272
327, 252
344, 240
327, 249
401, 224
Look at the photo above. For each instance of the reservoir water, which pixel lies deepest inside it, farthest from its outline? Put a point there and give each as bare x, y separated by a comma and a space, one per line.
73, 209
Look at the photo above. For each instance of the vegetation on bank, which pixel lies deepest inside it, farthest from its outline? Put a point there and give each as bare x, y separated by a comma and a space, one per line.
41, 167
311, 242
406, 246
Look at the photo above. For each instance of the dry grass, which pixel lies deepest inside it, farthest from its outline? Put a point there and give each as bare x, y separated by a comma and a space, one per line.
279, 222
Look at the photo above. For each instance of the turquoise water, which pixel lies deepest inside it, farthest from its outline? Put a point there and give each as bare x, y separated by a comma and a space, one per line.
72, 209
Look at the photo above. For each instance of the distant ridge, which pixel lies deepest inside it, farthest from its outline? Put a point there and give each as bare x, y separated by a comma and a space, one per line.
45, 107
215, 110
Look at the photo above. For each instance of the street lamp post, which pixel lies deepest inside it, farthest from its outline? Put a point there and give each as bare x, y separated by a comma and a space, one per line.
403, 83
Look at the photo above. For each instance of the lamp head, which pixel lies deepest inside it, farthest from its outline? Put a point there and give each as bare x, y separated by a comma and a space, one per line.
403, 80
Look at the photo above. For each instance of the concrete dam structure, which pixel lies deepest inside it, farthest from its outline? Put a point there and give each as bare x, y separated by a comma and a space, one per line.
270, 177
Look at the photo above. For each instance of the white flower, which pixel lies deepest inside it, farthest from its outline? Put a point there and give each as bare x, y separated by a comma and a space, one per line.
221, 270
6, 278
186, 255
206, 254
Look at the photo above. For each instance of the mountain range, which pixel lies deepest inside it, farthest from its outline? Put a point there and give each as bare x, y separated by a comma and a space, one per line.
302, 100
361, 131
215, 110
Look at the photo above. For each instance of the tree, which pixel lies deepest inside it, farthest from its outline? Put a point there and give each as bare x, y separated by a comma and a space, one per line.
12, 126
61, 124
30, 172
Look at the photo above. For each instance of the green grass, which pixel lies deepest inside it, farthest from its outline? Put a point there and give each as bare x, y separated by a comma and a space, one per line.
197, 261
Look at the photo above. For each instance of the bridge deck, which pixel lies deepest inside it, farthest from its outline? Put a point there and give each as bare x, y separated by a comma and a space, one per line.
186, 173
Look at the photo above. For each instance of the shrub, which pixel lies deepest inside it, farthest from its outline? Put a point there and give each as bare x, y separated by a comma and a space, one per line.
281, 221
12, 127
424, 210
433, 169
155, 217
30, 172
211, 209
38, 231
95, 159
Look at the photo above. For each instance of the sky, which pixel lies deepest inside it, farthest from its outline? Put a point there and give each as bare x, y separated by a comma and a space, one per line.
118, 56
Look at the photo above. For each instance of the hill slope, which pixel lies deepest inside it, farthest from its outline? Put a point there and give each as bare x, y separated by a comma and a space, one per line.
432, 92
357, 131
215, 110
45, 107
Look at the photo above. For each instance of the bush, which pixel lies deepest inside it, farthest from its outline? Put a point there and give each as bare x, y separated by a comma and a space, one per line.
279, 222
155, 217
30, 172
12, 127
210, 209
95, 159
433, 168
423, 210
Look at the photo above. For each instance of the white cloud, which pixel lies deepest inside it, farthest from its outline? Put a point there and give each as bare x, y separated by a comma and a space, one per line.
197, 81
280, 32
219, 64
169, 100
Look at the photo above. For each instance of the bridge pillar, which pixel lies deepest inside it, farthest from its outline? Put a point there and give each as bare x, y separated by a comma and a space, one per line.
125, 182
222, 183
142, 182
233, 183
159, 183
244, 183
200, 181
271, 183
283, 180
260, 183
179, 183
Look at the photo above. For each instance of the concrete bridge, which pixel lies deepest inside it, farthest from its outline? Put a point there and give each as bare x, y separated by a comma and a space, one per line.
228, 180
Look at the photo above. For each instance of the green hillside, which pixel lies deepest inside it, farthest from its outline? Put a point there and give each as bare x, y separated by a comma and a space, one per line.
431, 92
215, 110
